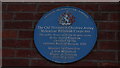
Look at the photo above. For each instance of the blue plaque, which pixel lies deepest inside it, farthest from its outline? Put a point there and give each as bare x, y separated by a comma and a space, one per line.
65, 35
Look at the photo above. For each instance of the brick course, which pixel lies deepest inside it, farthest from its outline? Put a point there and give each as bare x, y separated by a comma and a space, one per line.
19, 20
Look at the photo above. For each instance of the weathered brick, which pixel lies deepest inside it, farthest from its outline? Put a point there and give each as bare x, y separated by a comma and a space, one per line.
81, 6
21, 7
118, 36
109, 26
110, 7
79, 63
4, 7
119, 56
8, 43
35, 23
8, 53
101, 16
115, 16
91, 14
106, 35
44, 8
24, 16
23, 53
41, 63
25, 34
7, 16
91, 7
15, 62
28, 54
109, 45
108, 64
38, 16
101, 56
33, 44
9, 34
16, 43
36, 54
17, 25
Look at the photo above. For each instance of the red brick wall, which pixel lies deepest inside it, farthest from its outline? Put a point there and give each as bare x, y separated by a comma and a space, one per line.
19, 20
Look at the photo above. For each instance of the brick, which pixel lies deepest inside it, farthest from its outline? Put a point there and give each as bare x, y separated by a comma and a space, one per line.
24, 16
109, 45
110, 7
81, 6
101, 16
109, 26
36, 54
23, 53
8, 43
97, 25
21, 7
16, 43
44, 8
9, 34
35, 23
23, 44
38, 16
4, 7
8, 53
118, 35
41, 63
7, 16
78, 63
28, 54
17, 25
91, 14
106, 35
15, 62
101, 56
26, 34
119, 56
108, 64
115, 16
33, 44
91, 7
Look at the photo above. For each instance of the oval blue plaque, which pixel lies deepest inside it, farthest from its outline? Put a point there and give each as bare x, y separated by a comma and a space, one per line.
65, 34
